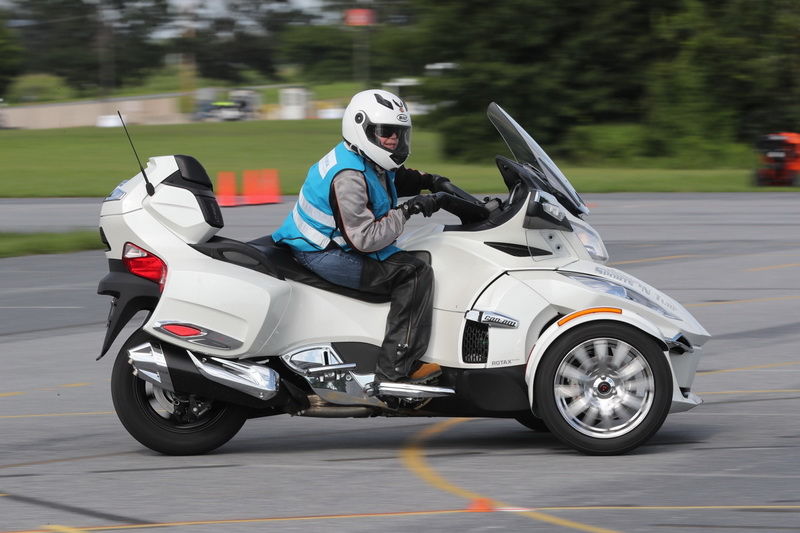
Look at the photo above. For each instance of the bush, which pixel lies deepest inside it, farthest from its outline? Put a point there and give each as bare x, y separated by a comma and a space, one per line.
605, 144
634, 145
39, 88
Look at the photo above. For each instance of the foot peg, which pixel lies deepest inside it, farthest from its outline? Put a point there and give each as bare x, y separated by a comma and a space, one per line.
405, 390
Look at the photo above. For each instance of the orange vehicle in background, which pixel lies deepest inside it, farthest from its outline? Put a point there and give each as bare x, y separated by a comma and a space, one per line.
780, 160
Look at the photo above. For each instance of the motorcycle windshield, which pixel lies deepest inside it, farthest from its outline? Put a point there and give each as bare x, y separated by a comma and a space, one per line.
526, 150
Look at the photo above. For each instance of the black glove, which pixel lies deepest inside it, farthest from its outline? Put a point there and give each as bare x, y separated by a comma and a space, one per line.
422, 203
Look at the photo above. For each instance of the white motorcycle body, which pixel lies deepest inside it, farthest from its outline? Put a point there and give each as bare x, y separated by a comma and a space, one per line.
528, 321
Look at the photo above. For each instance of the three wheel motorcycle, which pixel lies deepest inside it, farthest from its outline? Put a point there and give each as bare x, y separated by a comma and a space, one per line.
529, 323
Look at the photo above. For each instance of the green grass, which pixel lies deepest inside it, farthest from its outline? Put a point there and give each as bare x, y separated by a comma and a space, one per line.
17, 244
89, 162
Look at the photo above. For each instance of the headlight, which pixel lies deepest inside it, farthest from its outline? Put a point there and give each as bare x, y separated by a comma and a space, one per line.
614, 289
591, 241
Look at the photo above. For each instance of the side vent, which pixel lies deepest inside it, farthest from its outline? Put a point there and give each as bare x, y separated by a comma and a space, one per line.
517, 250
475, 344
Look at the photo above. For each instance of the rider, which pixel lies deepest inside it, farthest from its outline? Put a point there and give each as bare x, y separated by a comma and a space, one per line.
347, 218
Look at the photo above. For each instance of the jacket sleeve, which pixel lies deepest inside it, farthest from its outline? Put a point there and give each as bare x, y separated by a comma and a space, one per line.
410, 182
350, 202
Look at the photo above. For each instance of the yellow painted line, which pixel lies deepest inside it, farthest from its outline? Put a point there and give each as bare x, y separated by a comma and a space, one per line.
47, 389
413, 513
414, 457
62, 529
745, 368
666, 257
242, 521
771, 267
58, 414
677, 508
755, 300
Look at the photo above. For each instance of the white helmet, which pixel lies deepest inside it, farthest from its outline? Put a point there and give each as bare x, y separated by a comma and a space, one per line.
373, 114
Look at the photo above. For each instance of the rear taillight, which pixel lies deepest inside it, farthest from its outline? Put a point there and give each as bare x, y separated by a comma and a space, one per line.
142, 263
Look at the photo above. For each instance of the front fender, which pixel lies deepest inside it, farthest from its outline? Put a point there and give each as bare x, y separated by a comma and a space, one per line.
585, 316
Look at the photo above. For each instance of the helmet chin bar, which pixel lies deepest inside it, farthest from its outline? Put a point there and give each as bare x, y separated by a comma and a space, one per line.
399, 158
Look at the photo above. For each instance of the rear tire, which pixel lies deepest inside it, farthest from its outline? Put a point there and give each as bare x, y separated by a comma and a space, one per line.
604, 388
162, 420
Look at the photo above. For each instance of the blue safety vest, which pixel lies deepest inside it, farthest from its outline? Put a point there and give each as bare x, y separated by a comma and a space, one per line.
311, 227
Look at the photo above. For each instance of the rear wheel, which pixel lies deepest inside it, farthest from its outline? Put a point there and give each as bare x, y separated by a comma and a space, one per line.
604, 388
168, 422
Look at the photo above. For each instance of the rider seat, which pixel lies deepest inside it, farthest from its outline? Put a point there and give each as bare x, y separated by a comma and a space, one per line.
265, 256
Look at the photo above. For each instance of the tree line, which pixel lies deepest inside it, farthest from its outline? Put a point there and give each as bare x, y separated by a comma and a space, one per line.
626, 77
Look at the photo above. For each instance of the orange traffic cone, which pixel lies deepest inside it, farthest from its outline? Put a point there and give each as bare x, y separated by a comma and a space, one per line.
226, 189
261, 187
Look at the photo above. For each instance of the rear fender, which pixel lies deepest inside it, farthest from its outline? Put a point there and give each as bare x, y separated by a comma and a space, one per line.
131, 294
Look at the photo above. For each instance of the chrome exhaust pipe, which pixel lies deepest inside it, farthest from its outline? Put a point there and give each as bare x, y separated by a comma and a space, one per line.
173, 372
255, 380
149, 364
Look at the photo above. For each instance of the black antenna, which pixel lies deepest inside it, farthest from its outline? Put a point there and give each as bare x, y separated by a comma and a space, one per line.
148, 186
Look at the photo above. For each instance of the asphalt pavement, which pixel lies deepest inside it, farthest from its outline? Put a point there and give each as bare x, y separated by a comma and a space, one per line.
730, 465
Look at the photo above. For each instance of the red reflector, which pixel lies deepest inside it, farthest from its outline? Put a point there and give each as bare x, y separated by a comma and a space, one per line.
182, 330
144, 264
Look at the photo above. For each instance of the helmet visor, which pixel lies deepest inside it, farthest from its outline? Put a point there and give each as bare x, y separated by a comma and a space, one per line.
393, 138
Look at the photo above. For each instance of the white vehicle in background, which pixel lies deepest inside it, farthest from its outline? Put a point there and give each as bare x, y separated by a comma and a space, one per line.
529, 323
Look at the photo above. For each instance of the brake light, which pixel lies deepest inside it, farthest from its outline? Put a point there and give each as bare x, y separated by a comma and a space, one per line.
142, 263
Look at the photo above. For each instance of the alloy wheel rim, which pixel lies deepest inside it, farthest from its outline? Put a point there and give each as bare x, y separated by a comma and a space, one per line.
604, 388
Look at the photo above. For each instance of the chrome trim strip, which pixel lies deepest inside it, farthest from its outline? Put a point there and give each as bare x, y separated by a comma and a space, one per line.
680, 344
406, 390
330, 368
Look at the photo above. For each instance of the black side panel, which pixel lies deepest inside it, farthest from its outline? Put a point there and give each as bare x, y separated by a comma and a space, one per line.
131, 295
484, 392
364, 355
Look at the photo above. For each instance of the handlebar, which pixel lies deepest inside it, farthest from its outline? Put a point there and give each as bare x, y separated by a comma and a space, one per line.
462, 204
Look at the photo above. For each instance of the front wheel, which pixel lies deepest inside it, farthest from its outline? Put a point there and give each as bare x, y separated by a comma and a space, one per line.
168, 422
604, 388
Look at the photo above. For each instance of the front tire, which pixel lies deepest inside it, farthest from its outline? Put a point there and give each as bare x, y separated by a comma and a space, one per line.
165, 421
604, 388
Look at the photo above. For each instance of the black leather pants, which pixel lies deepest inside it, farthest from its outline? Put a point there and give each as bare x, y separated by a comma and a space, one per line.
409, 281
